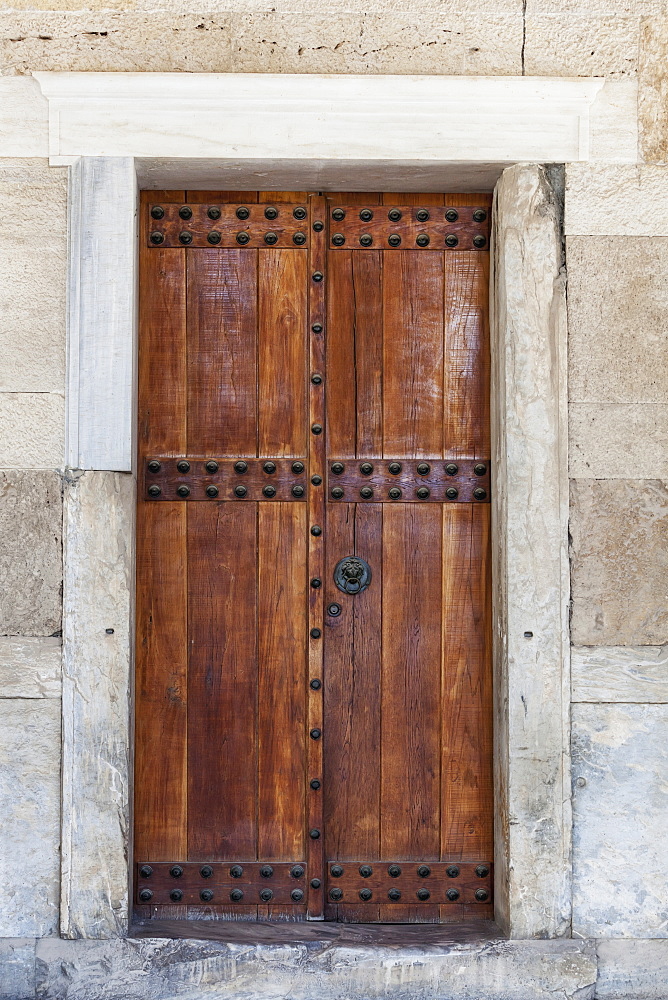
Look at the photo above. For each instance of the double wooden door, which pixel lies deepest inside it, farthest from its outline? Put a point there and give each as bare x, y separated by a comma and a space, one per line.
313, 691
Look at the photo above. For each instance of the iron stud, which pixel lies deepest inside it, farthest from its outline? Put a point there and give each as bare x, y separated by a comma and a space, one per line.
299, 213
314, 834
479, 241
394, 895
297, 871
242, 212
206, 895
482, 871
145, 871
423, 493
452, 894
315, 883
365, 895
480, 470
337, 468
394, 240
316, 480
213, 213
176, 871
154, 491
318, 275
214, 237
481, 895
317, 327
366, 468
270, 212
241, 467
269, 468
243, 238
338, 214
318, 227
206, 871
452, 493
315, 734
479, 493
336, 871
266, 871
336, 894
212, 491
316, 530
176, 895
366, 215
316, 379
183, 466
422, 215
154, 466
185, 212
269, 491
366, 492
240, 491
236, 871
211, 467
452, 215
394, 215
452, 871
298, 491
338, 239
365, 871
146, 895
394, 468
423, 894
317, 428
185, 237
422, 240
423, 469
451, 240
315, 784
394, 871
157, 212
297, 468
424, 871
297, 895
157, 238
315, 634
299, 239
183, 490
452, 469
236, 895
394, 493
366, 240
334, 610
270, 238
479, 215
316, 582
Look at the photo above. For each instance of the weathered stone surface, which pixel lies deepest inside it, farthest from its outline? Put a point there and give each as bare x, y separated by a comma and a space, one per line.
30, 810
24, 117
620, 821
17, 969
616, 200
29, 668
31, 567
617, 320
167, 970
653, 89
632, 970
99, 518
613, 122
565, 44
33, 251
619, 673
32, 429
263, 42
531, 566
199, 7
618, 440
619, 562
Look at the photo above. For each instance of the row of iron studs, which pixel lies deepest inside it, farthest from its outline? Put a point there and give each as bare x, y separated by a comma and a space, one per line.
422, 215
214, 213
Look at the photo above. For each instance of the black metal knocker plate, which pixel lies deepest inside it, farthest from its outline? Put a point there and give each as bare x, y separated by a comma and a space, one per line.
352, 575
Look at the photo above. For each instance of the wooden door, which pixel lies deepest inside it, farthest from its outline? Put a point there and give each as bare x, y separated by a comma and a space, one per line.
313, 693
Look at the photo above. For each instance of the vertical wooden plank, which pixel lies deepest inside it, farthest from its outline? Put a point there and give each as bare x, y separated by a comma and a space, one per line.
282, 352
282, 601
466, 428
341, 371
413, 354
161, 684
222, 321
292, 197
222, 682
221, 197
368, 337
411, 691
414, 198
466, 768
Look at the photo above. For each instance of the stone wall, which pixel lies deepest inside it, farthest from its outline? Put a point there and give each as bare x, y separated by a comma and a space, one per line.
616, 246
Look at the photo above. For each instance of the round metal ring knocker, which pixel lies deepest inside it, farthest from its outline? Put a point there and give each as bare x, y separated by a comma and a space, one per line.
352, 575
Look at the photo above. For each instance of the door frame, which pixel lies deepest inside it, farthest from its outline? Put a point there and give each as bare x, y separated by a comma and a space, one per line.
529, 537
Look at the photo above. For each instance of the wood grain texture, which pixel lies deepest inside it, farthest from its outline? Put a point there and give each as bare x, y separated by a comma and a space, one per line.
222, 682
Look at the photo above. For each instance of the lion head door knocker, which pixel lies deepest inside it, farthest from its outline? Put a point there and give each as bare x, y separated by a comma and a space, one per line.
352, 575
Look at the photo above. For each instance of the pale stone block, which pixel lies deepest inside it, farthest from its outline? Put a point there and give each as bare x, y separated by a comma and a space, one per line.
620, 673
30, 810
620, 821
24, 118
606, 199
30, 539
653, 90
99, 524
593, 8
30, 668
619, 562
304, 7
165, 969
613, 122
530, 514
618, 440
470, 44
32, 430
618, 320
33, 276
632, 970
17, 969
566, 44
